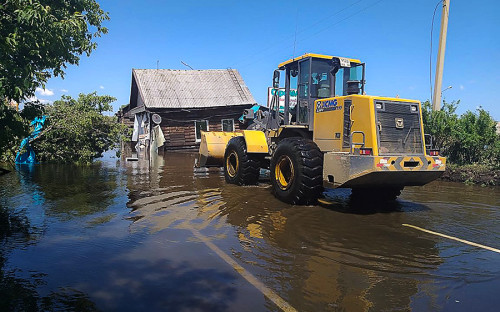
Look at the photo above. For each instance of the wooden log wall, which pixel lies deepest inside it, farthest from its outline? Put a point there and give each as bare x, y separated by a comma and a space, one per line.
126, 119
179, 125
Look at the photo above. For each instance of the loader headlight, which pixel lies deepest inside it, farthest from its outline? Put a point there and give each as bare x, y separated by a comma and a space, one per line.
413, 108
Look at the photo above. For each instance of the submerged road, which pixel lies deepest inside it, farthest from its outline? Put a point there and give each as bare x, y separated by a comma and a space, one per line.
157, 236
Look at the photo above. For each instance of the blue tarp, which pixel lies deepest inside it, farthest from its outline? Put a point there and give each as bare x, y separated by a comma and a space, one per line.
28, 157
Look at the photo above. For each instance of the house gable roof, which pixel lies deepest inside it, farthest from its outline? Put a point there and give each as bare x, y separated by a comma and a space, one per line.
166, 88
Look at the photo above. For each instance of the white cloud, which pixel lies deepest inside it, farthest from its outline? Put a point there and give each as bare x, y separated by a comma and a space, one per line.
64, 91
44, 92
34, 99
462, 87
101, 87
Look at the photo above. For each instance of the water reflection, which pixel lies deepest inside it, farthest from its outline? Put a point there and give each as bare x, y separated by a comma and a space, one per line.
309, 253
340, 255
27, 197
120, 236
315, 252
145, 285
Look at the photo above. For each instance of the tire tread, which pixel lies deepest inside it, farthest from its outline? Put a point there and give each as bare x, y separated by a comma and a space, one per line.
309, 185
249, 168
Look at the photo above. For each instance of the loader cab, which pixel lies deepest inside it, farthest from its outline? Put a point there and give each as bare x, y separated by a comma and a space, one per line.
313, 77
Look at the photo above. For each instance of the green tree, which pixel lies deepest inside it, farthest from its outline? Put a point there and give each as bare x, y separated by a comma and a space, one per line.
440, 124
38, 38
77, 131
475, 139
13, 129
467, 139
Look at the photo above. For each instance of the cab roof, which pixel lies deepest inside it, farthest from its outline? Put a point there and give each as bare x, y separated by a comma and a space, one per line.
314, 55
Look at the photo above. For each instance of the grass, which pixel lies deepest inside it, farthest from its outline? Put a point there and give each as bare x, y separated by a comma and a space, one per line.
480, 174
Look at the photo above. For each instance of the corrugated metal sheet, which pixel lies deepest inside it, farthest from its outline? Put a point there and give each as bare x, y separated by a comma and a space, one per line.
166, 88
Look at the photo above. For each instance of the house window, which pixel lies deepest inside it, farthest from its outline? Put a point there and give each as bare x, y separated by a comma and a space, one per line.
227, 124
198, 127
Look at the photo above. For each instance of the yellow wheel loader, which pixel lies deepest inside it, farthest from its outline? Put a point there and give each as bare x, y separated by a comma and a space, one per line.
330, 135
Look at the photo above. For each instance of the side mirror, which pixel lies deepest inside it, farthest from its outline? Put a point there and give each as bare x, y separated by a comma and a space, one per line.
276, 79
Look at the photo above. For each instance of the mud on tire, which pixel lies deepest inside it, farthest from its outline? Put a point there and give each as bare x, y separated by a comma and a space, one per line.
240, 168
296, 171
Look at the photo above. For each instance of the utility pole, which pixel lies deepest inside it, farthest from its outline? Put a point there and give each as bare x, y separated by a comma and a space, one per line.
436, 99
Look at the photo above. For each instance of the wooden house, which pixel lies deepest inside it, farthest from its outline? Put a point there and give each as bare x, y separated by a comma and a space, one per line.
187, 101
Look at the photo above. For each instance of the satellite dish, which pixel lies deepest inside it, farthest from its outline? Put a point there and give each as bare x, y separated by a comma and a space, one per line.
156, 119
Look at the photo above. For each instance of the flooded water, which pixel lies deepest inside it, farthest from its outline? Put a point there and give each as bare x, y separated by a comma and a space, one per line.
156, 236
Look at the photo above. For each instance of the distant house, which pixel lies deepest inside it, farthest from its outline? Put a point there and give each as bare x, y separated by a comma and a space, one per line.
187, 101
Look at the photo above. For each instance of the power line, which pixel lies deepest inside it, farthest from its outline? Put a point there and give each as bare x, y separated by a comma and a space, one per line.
328, 17
297, 33
338, 22
305, 30
342, 20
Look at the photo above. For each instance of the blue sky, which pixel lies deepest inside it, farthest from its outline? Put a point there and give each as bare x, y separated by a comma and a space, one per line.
391, 36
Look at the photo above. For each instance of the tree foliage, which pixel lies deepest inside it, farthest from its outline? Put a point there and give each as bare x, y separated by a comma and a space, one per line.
13, 129
77, 131
38, 38
467, 139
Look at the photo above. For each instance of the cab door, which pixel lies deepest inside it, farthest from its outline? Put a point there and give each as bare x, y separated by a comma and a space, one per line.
304, 103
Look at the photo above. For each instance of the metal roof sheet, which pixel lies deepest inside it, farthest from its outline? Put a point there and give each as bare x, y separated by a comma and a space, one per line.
167, 88
314, 55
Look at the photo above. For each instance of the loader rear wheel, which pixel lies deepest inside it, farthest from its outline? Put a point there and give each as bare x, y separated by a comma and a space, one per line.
297, 171
240, 168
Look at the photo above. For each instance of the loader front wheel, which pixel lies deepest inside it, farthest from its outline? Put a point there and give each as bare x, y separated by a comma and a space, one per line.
296, 171
240, 168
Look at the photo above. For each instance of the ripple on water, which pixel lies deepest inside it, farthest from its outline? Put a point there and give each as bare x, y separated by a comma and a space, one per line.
181, 209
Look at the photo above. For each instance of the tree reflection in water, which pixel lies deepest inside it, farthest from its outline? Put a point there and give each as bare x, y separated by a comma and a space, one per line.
57, 255
18, 230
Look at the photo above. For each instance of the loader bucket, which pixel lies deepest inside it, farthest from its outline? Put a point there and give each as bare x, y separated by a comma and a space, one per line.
212, 148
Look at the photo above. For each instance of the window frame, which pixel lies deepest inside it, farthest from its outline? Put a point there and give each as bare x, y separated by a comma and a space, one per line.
222, 124
196, 129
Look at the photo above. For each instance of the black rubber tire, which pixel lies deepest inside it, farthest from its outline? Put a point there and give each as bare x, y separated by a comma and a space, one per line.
240, 168
296, 171
379, 194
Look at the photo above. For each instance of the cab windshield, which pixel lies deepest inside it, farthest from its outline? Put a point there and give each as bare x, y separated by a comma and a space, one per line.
321, 82
349, 80
323, 78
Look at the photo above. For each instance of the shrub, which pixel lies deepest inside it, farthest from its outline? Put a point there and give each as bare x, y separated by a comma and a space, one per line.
467, 139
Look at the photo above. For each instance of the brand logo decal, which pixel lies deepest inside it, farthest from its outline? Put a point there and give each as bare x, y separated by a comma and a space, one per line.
399, 123
327, 105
